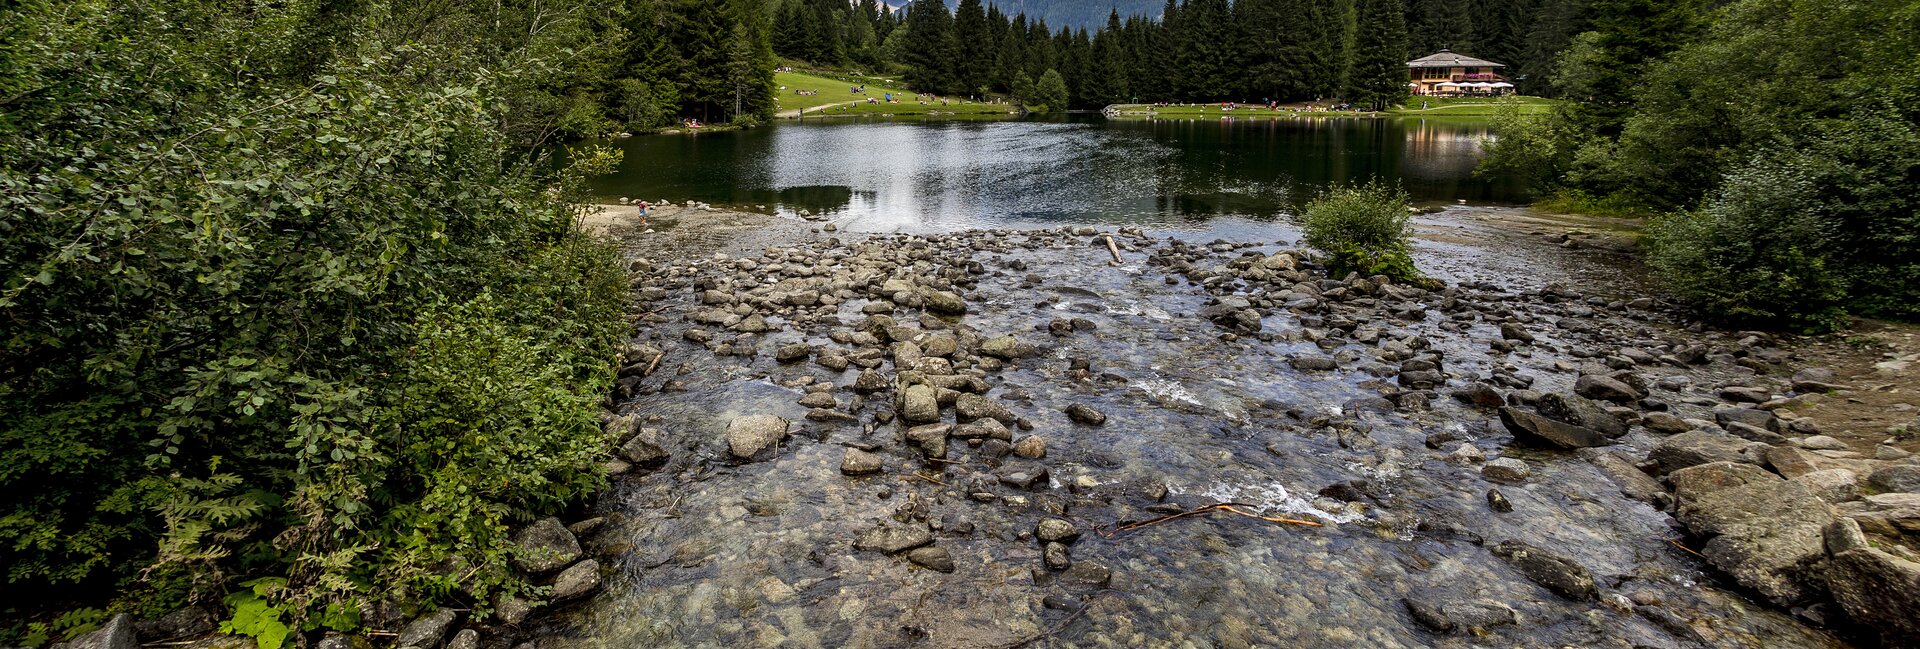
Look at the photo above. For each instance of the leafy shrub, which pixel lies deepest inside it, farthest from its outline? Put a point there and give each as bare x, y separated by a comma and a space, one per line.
1363, 228
336, 332
1754, 254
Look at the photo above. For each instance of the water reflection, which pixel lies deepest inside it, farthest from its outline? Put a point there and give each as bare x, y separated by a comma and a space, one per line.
917, 176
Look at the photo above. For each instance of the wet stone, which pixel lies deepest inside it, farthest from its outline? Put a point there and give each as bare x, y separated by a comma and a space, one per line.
1498, 502
1550, 570
1085, 414
932, 558
1507, 470
1540, 430
1031, 447
427, 632
1057, 557
576, 581
748, 437
1056, 530
858, 462
892, 538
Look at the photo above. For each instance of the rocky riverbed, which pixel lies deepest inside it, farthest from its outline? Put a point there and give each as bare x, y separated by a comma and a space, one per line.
1012, 438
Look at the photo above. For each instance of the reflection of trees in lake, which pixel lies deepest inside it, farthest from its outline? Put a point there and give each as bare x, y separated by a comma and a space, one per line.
1440, 151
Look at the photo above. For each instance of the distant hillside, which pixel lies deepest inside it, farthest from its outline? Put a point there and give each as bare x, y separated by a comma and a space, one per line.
1074, 13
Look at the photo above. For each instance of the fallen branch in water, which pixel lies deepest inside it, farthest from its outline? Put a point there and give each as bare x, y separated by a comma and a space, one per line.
1113, 249
653, 365
1233, 508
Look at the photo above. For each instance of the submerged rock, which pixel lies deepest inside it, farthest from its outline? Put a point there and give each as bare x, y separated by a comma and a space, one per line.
748, 437
1539, 430
890, 538
1550, 570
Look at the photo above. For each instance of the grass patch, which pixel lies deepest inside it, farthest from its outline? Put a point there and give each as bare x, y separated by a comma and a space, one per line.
1584, 204
835, 97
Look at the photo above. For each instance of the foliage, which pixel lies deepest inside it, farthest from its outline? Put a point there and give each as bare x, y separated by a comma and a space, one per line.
275, 313
255, 615
1363, 228
65, 626
1784, 131
1752, 254
1049, 94
1378, 78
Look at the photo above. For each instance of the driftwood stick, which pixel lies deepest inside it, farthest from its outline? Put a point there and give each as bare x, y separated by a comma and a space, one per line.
1112, 248
653, 365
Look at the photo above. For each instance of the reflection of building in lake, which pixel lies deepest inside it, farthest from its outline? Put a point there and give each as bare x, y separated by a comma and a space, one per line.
1440, 150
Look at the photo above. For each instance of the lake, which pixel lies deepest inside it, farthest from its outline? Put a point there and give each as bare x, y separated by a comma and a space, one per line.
885, 175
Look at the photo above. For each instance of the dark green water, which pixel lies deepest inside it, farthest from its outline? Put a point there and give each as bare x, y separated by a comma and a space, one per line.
911, 175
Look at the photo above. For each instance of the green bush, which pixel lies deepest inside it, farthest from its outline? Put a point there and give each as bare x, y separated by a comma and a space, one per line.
336, 332
1753, 255
1363, 229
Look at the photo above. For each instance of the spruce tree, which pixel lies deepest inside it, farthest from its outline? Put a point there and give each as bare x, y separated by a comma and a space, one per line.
930, 52
974, 46
1378, 77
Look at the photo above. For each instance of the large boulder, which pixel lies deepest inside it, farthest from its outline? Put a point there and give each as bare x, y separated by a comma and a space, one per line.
748, 437
645, 447
544, 546
1582, 412
1896, 478
1879, 591
1766, 533
1538, 430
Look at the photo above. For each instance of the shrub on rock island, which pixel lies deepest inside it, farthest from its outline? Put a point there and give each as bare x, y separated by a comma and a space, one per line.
1362, 229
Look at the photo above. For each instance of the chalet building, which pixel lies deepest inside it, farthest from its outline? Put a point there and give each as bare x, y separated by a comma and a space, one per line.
1456, 75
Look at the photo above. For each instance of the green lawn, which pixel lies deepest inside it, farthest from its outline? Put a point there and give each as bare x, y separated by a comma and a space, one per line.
834, 98
1435, 107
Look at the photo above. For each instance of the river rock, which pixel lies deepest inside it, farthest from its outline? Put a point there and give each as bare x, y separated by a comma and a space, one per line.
1006, 348
918, 405
1512, 331
1056, 530
869, 381
749, 436
823, 400
1031, 447
118, 633
943, 302
1897, 478
465, 639
187, 622
1314, 362
544, 546
1633, 482
427, 631
1085, 414
892, 538
1506, 469
644, 448
577, 580
1832, 485
858, 462
1550, 570
1665, 422
1536, 429
1606, 389
1582, 412
1702, 479
1700, 447
1748, 416
510, 610
931, 439
1766, 534
971, 407
1056, 556
1878, 590
932, 557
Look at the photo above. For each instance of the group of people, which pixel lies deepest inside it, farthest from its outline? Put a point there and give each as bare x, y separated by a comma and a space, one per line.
805, 93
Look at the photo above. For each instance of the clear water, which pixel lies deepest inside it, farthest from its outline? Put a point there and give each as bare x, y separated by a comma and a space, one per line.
919, 176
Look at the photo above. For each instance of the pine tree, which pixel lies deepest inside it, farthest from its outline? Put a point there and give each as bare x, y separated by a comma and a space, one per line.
1378, 77
974, 45
930, 51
